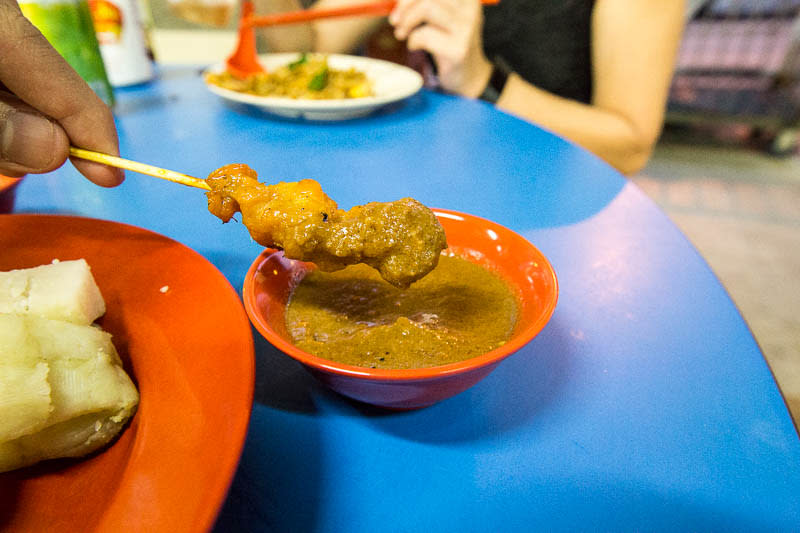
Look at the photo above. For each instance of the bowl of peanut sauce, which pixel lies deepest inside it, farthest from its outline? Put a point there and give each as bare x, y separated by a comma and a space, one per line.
399, 348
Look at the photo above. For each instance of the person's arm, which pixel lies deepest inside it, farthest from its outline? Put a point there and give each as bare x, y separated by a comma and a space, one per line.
339, 35
634, 43
45, 106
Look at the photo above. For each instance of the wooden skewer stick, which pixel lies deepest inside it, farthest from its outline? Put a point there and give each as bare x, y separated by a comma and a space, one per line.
141, 168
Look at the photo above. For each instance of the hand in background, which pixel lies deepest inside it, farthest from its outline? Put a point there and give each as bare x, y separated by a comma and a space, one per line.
450, 30
45, 106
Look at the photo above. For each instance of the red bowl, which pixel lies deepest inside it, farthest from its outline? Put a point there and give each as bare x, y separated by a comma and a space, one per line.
8, 188
272, 277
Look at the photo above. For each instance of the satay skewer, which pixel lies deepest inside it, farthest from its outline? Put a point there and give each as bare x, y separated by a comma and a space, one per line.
235, 189
141, 168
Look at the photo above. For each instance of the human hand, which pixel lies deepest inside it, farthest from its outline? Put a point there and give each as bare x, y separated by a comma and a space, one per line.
450, 30
45, 106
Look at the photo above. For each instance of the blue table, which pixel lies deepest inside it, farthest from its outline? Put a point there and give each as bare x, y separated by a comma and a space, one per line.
645, 404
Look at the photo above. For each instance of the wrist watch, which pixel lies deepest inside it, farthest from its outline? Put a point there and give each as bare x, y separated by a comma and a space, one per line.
497, 82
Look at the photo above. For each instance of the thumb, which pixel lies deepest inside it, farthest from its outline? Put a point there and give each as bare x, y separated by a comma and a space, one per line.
30, 142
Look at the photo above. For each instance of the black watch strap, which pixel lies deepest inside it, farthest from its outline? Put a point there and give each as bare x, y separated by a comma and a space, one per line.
497, 82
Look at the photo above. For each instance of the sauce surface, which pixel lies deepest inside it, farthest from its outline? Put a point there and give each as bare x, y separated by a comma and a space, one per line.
458, 311
402, 240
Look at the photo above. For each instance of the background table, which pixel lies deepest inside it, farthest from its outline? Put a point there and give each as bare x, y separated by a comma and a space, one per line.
645, 404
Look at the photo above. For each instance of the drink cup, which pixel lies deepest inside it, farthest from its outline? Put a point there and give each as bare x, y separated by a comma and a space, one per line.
67, 24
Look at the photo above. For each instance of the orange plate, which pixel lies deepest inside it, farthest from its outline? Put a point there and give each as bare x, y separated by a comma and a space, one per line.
190, 351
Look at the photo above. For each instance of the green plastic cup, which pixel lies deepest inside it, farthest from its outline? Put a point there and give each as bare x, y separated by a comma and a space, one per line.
67, 24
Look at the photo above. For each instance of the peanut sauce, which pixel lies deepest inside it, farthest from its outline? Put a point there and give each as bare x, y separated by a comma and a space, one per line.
458, 311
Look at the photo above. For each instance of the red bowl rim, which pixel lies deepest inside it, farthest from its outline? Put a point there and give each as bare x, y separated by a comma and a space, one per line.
519, 340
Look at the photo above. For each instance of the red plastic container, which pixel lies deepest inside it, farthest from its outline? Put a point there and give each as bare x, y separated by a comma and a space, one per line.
272, 277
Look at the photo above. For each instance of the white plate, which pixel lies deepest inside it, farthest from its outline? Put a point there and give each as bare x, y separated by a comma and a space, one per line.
391, 82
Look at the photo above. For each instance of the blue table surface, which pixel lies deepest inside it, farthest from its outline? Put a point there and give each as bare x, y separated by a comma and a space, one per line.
645, 404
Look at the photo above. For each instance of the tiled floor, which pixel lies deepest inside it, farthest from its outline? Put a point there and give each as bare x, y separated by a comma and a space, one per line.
741, 209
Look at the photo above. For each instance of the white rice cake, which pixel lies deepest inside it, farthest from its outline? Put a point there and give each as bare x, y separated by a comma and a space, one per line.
24, 399
64, 290
90, 397
24, 390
